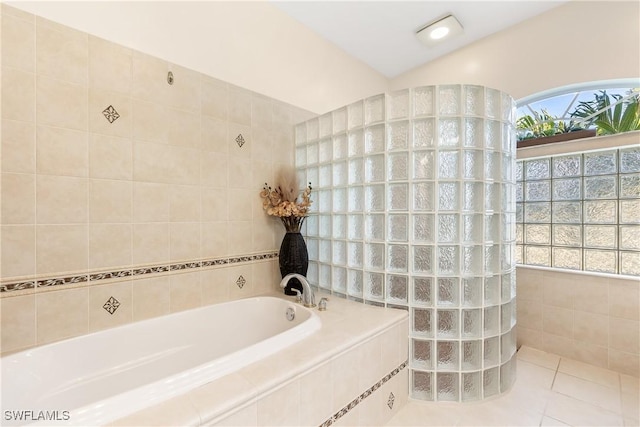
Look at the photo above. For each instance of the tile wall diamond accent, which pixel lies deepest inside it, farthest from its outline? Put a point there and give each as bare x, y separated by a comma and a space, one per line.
111, 114
240, 140
368, 392
241, 282
111, 305
391, 400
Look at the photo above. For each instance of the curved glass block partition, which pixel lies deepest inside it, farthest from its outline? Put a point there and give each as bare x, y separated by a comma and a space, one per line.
414, 208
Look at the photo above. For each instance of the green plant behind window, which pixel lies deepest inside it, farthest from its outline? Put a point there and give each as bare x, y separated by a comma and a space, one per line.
542, 124
608, 120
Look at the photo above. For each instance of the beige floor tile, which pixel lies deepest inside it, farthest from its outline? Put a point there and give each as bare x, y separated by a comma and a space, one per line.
590, 373
525, 396
587, 391
496, 413
538, 357
574, 401
535, 375
578, 413
630, 406
551, 422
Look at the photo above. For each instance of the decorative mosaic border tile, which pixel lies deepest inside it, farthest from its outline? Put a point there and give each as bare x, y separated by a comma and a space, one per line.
110, 275
18, 286
45, 283
96, 277
355, 402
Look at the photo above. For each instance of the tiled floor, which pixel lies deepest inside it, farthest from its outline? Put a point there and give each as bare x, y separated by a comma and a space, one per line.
549, 391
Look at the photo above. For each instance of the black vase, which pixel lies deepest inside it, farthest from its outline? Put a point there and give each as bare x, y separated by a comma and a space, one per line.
294, 258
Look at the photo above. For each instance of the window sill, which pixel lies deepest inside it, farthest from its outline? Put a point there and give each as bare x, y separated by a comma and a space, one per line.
581, 272
580, 145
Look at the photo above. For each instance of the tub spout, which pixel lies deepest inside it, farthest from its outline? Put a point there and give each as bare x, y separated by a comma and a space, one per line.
308, 298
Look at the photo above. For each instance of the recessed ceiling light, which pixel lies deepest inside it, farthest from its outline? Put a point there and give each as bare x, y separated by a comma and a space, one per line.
437, 31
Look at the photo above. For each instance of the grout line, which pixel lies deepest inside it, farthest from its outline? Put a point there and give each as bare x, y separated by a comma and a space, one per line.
620, 397
555, 374
551, 392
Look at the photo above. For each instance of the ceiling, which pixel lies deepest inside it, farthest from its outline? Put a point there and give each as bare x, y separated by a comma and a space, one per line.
382, 33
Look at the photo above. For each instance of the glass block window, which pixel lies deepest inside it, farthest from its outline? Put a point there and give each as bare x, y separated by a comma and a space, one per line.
580, 211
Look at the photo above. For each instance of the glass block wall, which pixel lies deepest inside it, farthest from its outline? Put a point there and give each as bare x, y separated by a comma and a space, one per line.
580, 211
415, 208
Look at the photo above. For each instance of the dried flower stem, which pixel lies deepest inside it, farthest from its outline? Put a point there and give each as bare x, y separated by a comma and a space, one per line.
284, 203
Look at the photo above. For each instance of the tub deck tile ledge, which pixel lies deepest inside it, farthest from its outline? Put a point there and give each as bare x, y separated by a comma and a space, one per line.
178, 411
344, 325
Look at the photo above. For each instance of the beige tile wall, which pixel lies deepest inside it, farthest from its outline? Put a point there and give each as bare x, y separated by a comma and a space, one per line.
164, 182
586, 317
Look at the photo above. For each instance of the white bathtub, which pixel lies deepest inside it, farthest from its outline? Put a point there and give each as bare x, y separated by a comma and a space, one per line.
107, 375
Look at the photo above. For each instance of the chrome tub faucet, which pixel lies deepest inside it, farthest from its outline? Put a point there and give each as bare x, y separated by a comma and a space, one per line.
308, 297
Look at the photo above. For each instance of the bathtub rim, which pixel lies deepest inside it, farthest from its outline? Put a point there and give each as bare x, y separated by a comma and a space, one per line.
123, 404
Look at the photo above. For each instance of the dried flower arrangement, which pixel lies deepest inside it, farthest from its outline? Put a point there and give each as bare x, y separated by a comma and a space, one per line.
282, 200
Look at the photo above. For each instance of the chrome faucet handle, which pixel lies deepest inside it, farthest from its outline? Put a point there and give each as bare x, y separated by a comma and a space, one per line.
308, 297
310, 301
322, 305
298, 295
